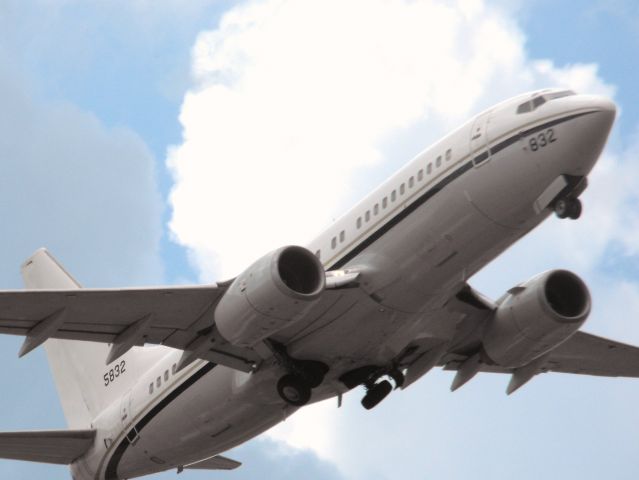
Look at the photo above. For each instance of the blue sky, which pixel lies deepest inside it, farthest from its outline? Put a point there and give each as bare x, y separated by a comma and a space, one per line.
97, 97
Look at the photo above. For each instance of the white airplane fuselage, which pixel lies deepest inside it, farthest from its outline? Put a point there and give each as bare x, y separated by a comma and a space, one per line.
416, 239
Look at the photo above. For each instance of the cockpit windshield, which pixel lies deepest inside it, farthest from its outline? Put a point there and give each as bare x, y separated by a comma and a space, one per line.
538, 100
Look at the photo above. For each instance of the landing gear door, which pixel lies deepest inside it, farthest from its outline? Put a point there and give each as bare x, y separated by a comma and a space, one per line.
479, 140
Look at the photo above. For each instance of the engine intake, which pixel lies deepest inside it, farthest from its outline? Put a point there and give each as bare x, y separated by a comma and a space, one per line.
272, 293
536, 317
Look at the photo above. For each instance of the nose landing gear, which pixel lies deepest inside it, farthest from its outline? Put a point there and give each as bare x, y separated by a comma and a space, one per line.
568, 208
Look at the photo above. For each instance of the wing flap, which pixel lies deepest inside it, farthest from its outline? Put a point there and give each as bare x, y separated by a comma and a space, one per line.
50, 446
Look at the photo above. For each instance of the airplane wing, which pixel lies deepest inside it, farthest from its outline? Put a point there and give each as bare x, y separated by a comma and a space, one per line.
177, 317
583, 353
588, 354
50, 446
180, 317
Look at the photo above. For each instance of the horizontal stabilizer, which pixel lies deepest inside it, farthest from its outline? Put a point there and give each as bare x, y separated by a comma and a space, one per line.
49, 446
215, 463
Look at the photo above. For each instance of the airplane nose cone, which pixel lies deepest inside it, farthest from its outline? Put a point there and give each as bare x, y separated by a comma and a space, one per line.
607, 111
594, 128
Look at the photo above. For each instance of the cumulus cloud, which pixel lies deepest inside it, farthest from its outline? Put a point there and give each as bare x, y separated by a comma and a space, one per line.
295, 106
85, 191
293, 101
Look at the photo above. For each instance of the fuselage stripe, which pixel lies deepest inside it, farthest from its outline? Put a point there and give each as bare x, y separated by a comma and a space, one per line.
111, 470
112, 467
483, 156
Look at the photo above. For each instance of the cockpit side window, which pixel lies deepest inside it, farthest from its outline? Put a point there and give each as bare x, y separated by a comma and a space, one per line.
531, 105
537, 101
524, 108
563, 93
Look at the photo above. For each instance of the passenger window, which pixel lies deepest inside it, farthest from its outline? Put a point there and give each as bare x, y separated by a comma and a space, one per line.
158, 382
166, 375
402, 189
393, 196
384, 202
367, 217
376, 209
150, 388
411, 182
439, 161
429, 168
420, 175
334, 242
342, 235
359, 222
449, 154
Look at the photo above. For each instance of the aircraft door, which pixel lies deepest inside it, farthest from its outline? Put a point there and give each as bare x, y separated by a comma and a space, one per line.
125, 409
479, 140
126, 418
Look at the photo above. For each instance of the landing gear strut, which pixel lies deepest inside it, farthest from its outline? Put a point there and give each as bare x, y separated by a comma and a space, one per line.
568, 208
303, 375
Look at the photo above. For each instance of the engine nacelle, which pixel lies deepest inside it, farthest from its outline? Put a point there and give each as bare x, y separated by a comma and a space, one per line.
536, 317
272, 293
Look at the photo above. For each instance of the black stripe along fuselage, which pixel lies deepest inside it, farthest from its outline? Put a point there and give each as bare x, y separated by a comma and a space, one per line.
112, 466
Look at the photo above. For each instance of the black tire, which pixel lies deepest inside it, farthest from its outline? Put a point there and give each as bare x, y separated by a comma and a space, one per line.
313, 372
575, 209
293, 390
376, 394
562, 208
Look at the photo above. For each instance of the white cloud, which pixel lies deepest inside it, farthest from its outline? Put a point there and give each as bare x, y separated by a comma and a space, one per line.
297, 103
291, 99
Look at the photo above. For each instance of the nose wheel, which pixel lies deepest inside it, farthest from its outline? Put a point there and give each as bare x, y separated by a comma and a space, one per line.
568, 208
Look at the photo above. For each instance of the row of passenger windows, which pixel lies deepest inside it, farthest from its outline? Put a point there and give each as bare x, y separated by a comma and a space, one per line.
158, 381
393, 197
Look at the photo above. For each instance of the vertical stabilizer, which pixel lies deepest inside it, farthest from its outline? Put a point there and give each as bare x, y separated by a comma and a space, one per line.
78, 367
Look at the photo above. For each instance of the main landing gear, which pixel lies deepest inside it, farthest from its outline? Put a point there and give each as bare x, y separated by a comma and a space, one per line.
371, 377
568, 208
303, 376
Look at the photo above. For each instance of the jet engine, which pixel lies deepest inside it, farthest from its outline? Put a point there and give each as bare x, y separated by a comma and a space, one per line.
272, 293
535, 317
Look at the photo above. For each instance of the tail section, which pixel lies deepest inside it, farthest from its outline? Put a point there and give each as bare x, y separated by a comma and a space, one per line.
79, 368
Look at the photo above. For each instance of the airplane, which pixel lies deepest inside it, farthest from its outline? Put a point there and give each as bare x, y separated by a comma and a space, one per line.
160, 378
